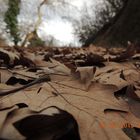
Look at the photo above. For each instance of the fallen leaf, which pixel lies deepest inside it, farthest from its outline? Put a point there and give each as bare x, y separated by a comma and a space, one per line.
59, 67
58, 126
86, 75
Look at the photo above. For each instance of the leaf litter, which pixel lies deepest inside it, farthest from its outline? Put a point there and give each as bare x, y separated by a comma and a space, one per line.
74, 94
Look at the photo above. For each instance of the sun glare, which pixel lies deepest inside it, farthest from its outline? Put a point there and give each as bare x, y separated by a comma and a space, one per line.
62, 31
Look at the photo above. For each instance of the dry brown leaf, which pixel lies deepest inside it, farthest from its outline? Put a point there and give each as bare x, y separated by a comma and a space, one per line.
88, 109
86, 75
131, 75
5, 75
138, 93
24, 74
12, 56
4, 114
111, 78
98, 112
117, 74
133, 101
5, 87
60, 67
9, 131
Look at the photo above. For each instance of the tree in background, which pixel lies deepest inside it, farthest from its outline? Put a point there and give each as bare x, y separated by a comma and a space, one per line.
21, 19
35, 41
11, 32
124, 27
31, 36
96, 21
5, 37
10, 19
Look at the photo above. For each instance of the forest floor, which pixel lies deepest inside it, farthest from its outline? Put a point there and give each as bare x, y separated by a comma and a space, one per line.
70, 93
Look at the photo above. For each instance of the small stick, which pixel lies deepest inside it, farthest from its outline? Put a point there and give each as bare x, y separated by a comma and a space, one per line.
39, 80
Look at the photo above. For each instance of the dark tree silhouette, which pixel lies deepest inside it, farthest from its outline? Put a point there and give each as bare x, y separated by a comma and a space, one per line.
124, 27
90, 26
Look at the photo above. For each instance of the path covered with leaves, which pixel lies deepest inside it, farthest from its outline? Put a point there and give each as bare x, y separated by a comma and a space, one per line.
70, 93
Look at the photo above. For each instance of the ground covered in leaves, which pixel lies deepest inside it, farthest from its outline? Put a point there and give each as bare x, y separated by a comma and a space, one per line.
70, 93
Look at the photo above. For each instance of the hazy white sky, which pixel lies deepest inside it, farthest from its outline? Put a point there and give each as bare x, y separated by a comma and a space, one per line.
56, 21
61, 29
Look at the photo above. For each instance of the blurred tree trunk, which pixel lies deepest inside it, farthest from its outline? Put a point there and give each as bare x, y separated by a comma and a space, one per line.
124, 27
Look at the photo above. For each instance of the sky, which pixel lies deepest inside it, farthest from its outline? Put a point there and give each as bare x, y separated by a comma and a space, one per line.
60, 29
57, 19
